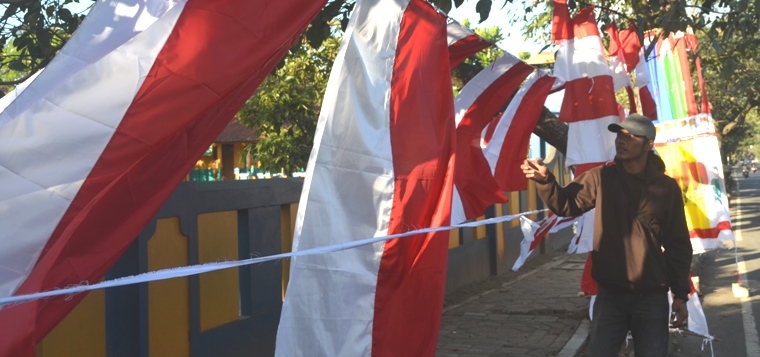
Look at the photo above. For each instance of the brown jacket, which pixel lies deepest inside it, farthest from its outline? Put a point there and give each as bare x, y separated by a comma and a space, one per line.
628, 256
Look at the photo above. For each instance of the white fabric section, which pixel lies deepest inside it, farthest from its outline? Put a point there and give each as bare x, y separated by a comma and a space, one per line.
493, 150
641, 71
563, 223
528, 229
701, 245
591, 308
457, 209
109, 24
47, 151
171, 273
475, 87
697, 322
590, 141
583, 242
620, 77
580, 58
455, 32
348, 193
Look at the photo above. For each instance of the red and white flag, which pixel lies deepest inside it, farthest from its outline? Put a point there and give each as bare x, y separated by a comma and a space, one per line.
382, 163
643, 79
475, 188
463, 43
589, 104
508, 146
535, 232
619, 65
91, 149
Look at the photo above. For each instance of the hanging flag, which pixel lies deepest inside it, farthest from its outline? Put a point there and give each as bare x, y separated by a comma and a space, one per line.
476, 105
619, 67
643, 81
630, 44
534, 233
679, 47
463, 43
509, 144
91, 151
382, 163
589, 105
692, 43
658, 84
690, 150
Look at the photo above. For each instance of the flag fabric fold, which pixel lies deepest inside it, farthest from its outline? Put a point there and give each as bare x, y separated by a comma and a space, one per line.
619, 65
463, 43
475, 188
144, 103
510, 141
382, 163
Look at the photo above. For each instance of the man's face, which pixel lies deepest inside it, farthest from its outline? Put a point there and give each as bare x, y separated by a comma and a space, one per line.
631, 147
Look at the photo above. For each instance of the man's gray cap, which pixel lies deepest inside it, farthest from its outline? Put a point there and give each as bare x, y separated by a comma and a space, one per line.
636, 124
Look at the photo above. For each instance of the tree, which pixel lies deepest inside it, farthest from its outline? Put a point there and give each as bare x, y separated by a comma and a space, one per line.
285, 109
36, 31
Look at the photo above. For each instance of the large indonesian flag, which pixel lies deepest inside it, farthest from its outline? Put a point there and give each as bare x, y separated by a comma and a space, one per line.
94, 145
382, 163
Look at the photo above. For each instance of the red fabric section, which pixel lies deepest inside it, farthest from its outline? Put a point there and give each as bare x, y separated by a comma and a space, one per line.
648, 106
562, 24
710, 232
466, 47
472, 176
187, 99
683, 59
588, 98
546, 225
588, 284
705, 103
515, 148
612, 31
584, 24
631, 46
412, 276
491, 128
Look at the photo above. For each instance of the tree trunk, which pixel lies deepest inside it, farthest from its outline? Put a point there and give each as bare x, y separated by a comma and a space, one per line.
552, 131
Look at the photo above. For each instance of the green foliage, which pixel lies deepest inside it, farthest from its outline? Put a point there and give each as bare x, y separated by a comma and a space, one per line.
487, 56
36, 31
285, 109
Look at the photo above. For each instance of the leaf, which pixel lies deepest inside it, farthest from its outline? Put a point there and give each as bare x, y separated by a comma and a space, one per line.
443, 5
483, 7
65, 15
16, 65
458, 3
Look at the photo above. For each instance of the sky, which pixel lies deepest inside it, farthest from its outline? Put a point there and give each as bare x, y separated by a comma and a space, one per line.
513, 42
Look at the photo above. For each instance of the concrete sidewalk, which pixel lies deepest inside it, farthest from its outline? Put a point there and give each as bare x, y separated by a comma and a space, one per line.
534, 312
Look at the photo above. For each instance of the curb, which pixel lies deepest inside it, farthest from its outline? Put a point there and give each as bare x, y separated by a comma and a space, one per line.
577, 341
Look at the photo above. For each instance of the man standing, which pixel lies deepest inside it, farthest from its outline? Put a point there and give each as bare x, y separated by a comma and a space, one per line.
641, 242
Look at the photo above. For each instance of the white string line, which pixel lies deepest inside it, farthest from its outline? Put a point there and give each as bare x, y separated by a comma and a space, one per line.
170, 273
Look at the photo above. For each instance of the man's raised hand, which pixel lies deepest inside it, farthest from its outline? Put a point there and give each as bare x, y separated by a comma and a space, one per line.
535, 170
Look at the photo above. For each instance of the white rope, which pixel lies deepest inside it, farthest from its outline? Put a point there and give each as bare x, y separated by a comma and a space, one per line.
209, 267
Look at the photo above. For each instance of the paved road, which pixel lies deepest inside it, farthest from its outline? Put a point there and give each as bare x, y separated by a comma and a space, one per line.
731, 319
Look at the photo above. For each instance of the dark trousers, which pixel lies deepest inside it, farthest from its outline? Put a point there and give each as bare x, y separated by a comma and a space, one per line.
645, 315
